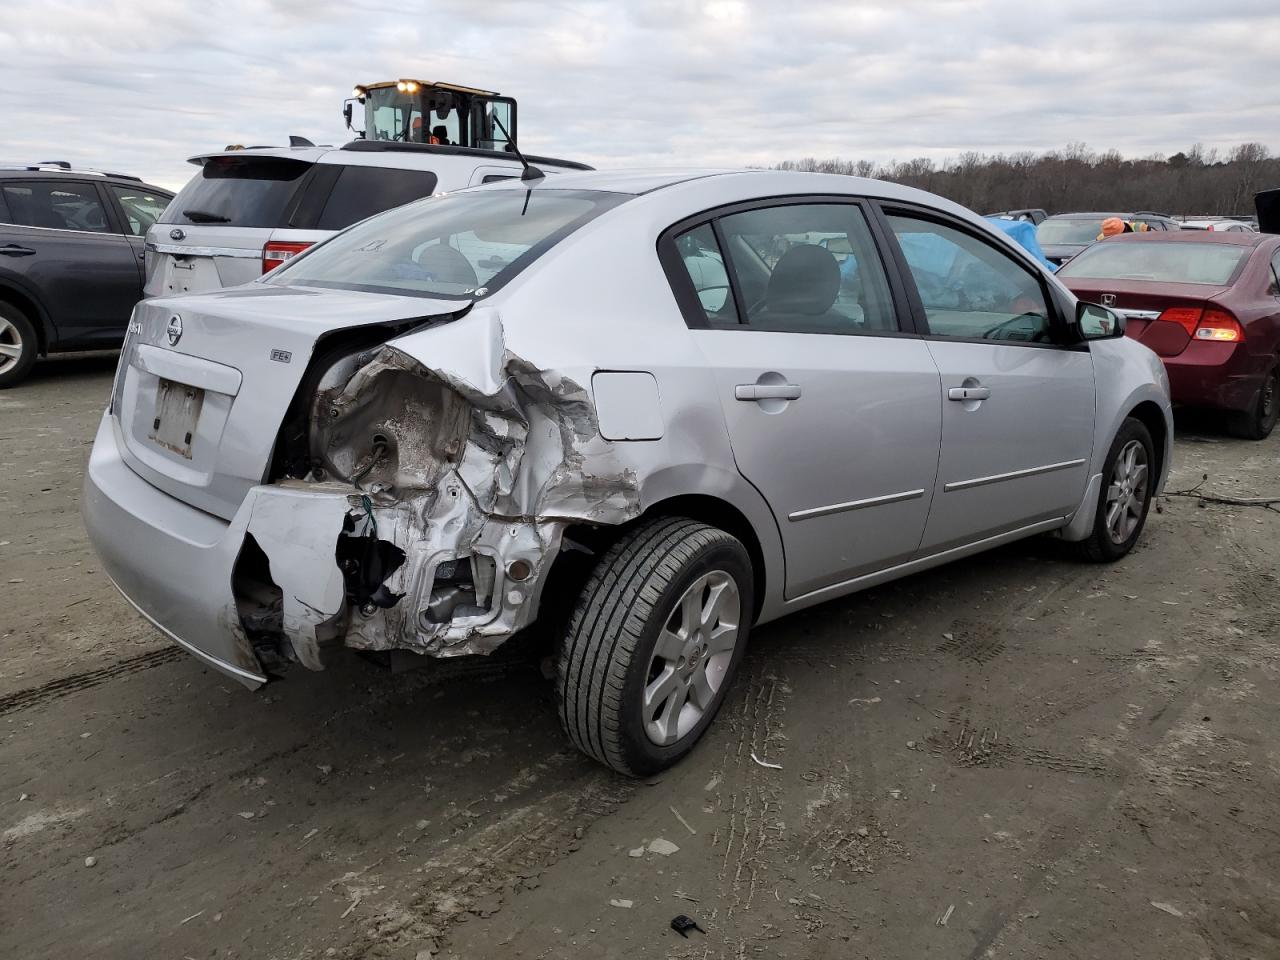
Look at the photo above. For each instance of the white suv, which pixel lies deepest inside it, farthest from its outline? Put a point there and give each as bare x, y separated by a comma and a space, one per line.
248, 211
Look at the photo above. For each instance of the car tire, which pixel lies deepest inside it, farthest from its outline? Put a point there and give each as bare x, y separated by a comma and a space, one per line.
1129, 477
653, 644
18, 345
1257, 424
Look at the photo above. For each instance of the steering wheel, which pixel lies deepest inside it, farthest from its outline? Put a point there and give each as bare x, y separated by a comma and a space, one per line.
1039, 331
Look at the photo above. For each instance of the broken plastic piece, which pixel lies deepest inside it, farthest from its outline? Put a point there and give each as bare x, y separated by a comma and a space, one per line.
682, 925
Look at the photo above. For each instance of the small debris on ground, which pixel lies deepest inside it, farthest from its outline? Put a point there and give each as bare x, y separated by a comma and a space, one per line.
90, 861
624, 904
1167, 908
942, 920
636, 852
682, 925
683, 821
765, 763
190, 918
662, 847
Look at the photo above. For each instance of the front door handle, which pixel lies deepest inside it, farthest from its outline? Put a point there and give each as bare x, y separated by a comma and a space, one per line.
766, 391
968, 393
13, 250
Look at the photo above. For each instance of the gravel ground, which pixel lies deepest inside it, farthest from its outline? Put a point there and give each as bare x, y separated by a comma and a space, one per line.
1014, 756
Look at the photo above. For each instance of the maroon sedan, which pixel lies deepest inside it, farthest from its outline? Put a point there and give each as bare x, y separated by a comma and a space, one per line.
1208, 304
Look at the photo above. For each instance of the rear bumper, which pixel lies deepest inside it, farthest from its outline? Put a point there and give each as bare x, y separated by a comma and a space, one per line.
176, 565
171, 561
1219, 375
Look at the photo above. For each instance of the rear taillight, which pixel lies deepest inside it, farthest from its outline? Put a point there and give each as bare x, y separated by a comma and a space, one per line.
1206, 323
278, 251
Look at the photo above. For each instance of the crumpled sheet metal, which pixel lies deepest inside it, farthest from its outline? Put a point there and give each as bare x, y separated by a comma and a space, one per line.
532, 463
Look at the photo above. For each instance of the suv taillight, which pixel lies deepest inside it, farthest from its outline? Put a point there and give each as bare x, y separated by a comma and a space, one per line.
1206, 324
278, 251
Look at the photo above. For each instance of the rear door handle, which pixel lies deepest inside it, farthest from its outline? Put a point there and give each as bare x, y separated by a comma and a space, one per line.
968, 393
13, 250
766, 391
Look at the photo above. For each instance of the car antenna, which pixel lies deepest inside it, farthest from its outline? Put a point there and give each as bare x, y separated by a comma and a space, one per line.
530, 171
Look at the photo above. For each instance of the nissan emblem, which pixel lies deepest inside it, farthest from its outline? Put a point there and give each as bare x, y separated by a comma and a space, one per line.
174, 330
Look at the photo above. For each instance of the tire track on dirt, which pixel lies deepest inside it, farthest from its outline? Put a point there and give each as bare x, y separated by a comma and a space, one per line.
66, 686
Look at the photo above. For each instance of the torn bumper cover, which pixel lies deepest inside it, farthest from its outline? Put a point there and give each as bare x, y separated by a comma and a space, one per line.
428, 519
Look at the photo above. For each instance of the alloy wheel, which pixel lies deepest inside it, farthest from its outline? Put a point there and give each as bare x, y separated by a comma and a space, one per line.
1127, 492
10, 345
692, 657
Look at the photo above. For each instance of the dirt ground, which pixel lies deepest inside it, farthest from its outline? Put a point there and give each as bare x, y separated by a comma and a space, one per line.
1014, 756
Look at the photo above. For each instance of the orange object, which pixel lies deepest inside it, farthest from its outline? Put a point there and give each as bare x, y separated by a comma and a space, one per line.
1112, 226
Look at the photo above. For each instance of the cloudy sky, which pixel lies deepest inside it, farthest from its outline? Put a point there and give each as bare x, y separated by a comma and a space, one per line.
139, 87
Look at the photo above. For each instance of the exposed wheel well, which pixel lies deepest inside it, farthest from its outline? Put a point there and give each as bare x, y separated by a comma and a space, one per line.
1151, 417
583, 543
32, 310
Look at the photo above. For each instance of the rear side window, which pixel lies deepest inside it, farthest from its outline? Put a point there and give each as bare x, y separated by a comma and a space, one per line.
239, 192
361, 192
808, 268
55, 206
140, 207
704, 262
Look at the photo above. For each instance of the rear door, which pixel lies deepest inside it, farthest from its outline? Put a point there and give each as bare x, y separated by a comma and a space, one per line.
832, 407
213, 233
63, 244
1017, 408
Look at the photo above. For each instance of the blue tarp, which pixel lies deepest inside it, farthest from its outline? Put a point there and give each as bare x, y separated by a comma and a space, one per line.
1023, 233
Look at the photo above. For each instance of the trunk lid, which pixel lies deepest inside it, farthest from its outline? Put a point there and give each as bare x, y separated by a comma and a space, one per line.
1141, 302
199, 400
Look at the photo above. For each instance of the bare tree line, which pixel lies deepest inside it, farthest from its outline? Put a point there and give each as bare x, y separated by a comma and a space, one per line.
1199, 181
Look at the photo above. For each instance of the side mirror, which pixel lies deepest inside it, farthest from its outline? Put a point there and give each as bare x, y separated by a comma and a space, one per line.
1094, 322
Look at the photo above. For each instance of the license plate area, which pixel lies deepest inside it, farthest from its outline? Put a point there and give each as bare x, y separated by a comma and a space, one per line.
177, 413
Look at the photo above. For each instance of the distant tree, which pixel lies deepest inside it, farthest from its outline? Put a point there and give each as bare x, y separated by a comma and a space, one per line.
1197, 181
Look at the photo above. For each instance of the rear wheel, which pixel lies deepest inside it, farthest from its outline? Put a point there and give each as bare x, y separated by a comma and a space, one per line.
1257, 424
653, 644
1128, 479
18, 345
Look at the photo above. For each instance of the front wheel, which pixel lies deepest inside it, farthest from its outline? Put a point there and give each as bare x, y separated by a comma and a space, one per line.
653, 643
1128, 482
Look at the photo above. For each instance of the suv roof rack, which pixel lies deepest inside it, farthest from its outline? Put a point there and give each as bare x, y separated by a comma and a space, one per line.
63, 166
397, 146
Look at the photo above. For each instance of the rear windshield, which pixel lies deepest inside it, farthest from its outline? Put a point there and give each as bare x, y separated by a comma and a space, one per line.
447, 246
239, 192
1211, 263
1068, 231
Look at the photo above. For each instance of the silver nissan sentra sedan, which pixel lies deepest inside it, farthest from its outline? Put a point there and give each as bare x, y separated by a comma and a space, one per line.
647, 410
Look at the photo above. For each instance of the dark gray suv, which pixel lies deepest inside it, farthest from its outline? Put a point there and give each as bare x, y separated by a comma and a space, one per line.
71, 247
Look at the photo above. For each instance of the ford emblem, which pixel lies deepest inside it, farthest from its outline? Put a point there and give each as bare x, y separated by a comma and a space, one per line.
177, 233
174, 330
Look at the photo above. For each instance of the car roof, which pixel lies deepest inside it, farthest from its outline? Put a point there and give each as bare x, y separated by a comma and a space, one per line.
633, 181
1095, 216
94, 176
1240, 239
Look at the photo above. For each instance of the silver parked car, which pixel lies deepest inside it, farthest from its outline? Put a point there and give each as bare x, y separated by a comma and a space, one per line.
647, 410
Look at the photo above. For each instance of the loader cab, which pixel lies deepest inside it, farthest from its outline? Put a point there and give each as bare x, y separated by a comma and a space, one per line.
413, 111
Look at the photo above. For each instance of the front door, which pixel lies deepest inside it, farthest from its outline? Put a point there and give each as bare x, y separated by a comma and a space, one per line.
1018, 408
832, 410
